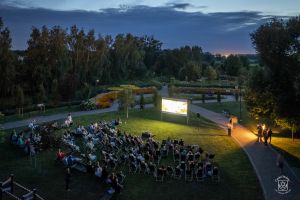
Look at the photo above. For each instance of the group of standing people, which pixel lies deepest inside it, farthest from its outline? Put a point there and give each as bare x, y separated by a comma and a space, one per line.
264, 134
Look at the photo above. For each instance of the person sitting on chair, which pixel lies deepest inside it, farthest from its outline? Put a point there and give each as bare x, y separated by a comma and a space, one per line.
20, 140
98, 170
69, 120
60, 155
14, 137
32, 125
181, 142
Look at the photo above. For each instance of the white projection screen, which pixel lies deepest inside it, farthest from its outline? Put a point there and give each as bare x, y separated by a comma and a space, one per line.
174, 106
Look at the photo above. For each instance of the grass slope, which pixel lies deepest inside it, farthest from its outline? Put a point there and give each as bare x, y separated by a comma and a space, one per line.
238, 180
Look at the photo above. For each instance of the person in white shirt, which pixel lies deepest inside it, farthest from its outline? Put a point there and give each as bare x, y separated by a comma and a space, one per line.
98, 171
69, 120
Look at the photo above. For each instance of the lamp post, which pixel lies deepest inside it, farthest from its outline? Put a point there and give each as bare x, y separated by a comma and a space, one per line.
240, 103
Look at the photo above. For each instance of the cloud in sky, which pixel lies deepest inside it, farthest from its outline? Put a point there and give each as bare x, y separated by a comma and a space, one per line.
274, 7
216, 32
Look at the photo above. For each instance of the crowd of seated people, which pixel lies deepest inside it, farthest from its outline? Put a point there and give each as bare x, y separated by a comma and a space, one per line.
29, 143
121, 150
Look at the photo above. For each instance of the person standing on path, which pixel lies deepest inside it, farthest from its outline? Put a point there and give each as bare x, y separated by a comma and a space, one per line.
265, 135
270, 135
259, 132
68, 179
280, 163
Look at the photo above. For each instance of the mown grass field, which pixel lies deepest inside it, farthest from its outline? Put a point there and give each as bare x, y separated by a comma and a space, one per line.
238, 180
51, 111
281, 139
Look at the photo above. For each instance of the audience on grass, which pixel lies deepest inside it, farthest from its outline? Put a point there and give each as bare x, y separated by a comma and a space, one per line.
100, 148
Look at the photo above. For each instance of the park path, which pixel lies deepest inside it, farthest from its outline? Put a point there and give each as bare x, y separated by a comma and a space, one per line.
49, 118
263, 158
60, 116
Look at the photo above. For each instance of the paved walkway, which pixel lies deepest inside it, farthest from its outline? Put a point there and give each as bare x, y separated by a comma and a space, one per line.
59, 116
49, 118
263, 158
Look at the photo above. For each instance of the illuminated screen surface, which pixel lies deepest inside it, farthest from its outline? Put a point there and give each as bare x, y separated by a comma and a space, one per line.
174, 106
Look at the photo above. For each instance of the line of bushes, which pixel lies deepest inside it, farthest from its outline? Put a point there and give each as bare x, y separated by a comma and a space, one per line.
197, 90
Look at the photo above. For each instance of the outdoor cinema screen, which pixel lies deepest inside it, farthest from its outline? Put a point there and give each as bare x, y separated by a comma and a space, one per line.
174, 106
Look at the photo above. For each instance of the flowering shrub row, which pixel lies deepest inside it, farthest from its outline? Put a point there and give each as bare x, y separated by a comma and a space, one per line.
105, 100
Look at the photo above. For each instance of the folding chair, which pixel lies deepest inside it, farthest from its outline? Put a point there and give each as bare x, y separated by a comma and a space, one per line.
152, 168
178, 173
132, 168
216, 175
199, 175
159, 177
144, 168
170, 171
176, 157
188, 175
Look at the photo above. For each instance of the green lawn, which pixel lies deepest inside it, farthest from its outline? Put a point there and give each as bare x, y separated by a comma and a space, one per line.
196, 97
238, 180
50, 111
281, 140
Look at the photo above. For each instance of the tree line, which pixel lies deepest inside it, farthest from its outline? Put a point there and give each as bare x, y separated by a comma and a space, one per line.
61, 64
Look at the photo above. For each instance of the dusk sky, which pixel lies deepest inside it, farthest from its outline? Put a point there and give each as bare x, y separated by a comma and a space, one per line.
217, 26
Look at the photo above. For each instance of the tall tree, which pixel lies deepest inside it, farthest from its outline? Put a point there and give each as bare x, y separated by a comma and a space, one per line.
232, 65
7, 67
274, 89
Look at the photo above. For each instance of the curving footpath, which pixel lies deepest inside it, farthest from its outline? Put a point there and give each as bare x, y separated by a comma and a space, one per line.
263, 158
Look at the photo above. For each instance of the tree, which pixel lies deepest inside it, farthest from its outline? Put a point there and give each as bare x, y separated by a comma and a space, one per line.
211, 73
142, 101
232, 65
277, 82
55, 92
7, 67
157, 100
41, 97
126, 99
171, 91
20, 99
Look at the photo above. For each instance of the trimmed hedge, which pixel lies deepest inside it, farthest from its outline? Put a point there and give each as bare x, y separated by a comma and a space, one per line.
197, 90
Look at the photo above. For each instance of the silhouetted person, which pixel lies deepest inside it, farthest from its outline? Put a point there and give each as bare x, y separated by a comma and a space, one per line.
270, 134
265, 135
259, 132
68, 179
280, 163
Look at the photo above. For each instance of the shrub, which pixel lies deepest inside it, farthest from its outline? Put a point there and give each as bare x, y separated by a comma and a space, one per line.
88, 105
105, 104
